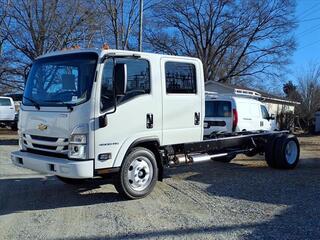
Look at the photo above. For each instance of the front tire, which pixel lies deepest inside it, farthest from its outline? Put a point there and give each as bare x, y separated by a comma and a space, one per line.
138, 174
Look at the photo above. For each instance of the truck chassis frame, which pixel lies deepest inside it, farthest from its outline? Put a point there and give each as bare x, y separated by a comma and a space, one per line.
225, 146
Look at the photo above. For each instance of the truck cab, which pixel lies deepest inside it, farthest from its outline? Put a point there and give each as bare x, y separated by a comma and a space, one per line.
83, 111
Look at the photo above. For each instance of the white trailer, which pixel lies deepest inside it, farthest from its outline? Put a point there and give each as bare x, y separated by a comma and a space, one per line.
91, 113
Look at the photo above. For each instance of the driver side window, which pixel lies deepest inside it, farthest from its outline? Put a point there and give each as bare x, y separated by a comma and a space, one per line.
138, 81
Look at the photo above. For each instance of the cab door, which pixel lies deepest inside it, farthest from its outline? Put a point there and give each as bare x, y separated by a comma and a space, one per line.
137, 115
182, 99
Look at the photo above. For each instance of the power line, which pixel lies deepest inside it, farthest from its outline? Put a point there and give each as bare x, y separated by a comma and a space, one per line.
309, 45
309, 30
310, 19
307, 11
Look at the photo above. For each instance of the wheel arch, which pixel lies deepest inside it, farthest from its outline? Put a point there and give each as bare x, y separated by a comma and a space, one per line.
152, 144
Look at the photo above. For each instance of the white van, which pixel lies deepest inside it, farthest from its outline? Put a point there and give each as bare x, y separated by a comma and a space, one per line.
235, 114
7, 113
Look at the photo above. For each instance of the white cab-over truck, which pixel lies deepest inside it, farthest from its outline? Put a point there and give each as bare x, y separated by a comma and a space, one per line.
91, 113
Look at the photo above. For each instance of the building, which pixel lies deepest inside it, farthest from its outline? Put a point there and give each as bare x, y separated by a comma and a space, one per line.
276, 105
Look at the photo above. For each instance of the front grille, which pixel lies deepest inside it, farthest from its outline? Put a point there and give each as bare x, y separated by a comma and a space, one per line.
44, 146
42, 138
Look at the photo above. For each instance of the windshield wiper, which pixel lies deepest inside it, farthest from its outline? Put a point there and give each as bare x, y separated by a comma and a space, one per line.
62, 102
37, 105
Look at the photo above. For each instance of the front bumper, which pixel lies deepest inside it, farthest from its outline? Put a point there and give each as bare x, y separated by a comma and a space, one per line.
51, 165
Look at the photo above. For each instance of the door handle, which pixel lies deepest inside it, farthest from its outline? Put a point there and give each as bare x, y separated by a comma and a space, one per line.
149, 120
261, 123
196, 118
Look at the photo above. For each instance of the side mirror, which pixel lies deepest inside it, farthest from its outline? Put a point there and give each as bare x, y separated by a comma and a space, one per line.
103, 121
272, 117
120, 77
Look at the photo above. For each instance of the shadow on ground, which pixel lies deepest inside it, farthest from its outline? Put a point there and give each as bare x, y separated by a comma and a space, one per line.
298, 190
28, 194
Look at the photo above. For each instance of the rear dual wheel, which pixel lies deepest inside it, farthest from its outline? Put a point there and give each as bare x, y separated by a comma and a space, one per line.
282, 151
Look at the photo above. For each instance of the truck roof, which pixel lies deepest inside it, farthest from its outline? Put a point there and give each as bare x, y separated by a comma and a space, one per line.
102, 52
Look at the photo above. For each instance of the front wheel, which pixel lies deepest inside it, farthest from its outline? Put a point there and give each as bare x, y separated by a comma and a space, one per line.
138, 174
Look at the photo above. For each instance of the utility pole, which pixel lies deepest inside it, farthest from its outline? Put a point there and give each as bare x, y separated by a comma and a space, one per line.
140, 31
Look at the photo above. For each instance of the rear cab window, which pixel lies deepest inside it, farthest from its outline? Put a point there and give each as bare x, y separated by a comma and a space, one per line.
180, 78
218, 109
5, 102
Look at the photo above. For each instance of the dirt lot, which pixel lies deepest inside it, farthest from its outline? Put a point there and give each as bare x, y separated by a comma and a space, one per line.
241, 200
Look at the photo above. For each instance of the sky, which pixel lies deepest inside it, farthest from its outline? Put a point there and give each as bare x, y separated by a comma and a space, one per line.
307, 36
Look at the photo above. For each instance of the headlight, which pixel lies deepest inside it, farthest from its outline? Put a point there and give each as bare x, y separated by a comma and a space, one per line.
78, 138
78, 146
21, 140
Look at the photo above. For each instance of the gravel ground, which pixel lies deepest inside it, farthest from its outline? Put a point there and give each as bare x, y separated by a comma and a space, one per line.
241, 200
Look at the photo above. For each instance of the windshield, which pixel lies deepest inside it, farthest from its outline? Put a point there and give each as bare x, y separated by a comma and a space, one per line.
61, 80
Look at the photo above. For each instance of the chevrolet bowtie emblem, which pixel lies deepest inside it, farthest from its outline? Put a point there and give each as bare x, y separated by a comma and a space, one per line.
42, 127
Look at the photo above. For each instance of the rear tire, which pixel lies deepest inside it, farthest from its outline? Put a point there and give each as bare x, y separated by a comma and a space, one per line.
287, 152
270, 150
138, 174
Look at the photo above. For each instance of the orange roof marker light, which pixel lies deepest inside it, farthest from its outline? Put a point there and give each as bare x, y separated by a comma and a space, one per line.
105, 46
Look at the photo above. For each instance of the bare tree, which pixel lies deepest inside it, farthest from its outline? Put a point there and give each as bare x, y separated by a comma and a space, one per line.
309, 91
234, 39
31, 28
35, 27
121, 20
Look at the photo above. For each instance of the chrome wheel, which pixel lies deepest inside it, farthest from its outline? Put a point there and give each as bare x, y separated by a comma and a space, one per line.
140, 173
291, 152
